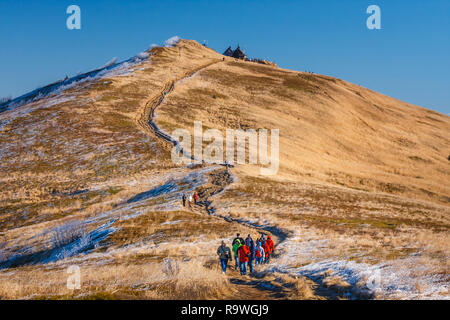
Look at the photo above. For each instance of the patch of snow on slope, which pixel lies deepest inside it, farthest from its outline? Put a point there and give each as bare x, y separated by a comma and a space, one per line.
142, 55
84, 244
110, 63
171, 222
172, 41
401, 279
398, 279
16, 113
111, 69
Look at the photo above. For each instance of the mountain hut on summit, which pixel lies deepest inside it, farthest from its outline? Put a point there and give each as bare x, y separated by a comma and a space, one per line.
237, 53
228, 52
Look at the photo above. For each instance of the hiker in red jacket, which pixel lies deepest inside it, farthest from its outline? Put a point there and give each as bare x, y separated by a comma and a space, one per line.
243, 254
270, 246
267, 251
195, 197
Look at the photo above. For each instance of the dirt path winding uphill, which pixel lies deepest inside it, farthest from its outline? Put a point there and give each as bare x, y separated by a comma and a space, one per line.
260, 284
146, 117
220, 179
250, 287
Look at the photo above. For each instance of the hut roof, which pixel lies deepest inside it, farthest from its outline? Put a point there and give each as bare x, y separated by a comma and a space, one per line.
228, 52
238, 53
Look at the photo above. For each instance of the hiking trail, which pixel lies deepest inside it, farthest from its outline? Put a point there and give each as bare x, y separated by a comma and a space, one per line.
253, 286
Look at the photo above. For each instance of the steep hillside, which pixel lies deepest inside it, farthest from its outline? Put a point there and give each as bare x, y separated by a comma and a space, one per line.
87, 179
330, 130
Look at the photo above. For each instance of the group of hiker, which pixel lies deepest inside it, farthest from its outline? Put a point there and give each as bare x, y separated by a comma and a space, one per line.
246, 253
192, 198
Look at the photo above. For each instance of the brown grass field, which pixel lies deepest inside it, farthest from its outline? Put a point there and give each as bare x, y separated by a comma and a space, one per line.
362, 190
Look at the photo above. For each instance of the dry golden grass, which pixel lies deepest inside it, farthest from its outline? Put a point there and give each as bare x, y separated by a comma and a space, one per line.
190, 280
88, 136
331, 131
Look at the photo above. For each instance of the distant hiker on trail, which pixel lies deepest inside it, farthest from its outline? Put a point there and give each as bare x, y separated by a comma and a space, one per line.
190, 200
195, 197
224, 254
237, 243
183, 198
263, 241
269, 247
259, 253
251, 247
271, 244
266, 252
243, 254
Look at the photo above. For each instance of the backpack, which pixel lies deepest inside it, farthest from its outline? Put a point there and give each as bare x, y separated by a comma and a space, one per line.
246, 251
258, 253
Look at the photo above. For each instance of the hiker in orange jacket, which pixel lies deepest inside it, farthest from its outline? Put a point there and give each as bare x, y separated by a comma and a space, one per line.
243, 253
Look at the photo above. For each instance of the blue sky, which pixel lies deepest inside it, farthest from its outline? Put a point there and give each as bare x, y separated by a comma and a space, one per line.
409, 58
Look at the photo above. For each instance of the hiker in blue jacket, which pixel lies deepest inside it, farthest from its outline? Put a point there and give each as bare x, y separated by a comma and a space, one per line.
251, 247
259, 254
263, 241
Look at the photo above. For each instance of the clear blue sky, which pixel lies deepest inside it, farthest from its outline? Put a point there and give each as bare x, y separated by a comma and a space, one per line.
409, 58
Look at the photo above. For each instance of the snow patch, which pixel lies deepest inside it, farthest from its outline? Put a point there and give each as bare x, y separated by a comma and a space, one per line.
404, 278
171, 222
142, 55
110, 63
110, 69
84, 244
173, 41
401, 279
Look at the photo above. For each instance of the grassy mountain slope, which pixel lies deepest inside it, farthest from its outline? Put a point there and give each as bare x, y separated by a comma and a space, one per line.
86, 181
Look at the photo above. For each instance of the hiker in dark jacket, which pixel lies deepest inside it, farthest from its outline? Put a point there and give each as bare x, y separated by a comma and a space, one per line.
251, 247
224, 254
184, 200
